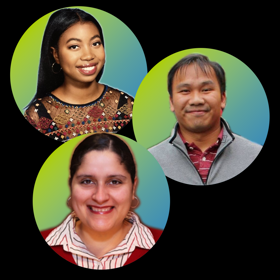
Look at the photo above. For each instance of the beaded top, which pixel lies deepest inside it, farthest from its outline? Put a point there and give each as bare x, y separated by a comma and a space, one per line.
63, 121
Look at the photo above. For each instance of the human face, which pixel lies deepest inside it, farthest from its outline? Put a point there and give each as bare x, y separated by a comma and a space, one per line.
197, 100
102, 192
80, 52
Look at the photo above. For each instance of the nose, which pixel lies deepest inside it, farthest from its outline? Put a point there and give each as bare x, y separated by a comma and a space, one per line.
196, 99
87, 54
101, 194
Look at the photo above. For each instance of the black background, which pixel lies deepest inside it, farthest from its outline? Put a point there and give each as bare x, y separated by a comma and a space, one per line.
206, 223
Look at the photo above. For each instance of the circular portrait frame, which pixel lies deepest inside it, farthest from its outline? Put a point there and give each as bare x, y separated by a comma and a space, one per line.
246, 111
51, 188
121, 48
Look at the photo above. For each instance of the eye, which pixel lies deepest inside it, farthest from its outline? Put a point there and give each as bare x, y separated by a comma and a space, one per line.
185, 91
115, 182
206, 89
74, 47
86, 182
96, 44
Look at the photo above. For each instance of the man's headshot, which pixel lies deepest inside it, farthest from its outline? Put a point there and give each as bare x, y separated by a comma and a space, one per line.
202, 149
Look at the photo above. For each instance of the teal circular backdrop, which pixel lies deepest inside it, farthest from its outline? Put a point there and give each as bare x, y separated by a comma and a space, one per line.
124, 69
247, 109
51, 188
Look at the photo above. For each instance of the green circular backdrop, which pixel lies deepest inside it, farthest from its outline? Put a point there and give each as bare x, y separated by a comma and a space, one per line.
51, 188
247, 109
122, 48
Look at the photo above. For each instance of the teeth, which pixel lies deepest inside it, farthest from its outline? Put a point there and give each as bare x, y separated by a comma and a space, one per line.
100, 209
88, 68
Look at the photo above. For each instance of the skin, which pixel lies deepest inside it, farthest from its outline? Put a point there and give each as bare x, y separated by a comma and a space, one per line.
197, 102
79, 45
101, 180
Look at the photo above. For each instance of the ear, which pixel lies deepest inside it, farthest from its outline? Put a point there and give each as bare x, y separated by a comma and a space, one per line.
171, 104
135, 184
55, 55
223, 101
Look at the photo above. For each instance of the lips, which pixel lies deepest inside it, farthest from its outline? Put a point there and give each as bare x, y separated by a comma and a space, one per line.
196, 111
87, 69
199, 111
100, 210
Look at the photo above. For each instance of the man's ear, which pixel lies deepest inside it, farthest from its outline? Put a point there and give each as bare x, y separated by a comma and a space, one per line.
223, 101
171, 104
55, 55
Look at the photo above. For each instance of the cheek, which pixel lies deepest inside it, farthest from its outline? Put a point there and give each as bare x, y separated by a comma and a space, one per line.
123, 197
180, 103
79, 197
67, 60
101, 55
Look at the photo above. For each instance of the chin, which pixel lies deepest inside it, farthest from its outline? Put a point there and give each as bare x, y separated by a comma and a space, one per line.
101, 227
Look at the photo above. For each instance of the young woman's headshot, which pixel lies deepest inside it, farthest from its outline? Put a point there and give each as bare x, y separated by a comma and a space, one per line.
70, 100
102, 231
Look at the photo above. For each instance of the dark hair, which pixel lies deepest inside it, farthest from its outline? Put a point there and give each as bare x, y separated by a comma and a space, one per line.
102, 142
58, 23
205, 65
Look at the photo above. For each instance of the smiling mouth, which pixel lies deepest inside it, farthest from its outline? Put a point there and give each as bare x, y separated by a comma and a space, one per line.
87, 69
101, 210
196, 112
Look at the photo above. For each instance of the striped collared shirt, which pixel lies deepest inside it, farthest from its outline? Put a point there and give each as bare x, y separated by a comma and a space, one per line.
65, 235
202, 160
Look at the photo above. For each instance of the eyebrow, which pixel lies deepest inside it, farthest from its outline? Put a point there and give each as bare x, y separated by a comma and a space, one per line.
90, 176
79, 40
208, 82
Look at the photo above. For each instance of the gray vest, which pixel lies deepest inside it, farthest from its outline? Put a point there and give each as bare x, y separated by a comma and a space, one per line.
234, 155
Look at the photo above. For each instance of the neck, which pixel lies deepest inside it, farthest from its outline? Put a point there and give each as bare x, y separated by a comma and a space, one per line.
203, 140
78, 93
100, 243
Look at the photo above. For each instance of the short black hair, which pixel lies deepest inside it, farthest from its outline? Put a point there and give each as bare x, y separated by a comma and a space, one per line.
103, 142
205, 65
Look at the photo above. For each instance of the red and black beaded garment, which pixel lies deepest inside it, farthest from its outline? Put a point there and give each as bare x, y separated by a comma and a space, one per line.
62, 121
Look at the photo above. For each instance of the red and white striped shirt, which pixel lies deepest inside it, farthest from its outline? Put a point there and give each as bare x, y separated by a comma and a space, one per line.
65, 235
202, 161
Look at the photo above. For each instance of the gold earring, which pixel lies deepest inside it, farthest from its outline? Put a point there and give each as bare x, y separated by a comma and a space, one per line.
68, 201
136, 204
53, 70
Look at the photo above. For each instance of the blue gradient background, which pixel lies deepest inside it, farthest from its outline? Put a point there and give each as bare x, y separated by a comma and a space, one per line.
125, 65
247, 109
51, 187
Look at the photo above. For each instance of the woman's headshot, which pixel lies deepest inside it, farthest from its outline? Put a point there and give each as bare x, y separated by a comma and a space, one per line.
70, 100
102, 230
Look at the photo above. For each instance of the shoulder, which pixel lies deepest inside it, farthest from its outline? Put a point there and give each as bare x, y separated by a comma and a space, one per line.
35, 105
119, 93
156, 233
45, 233
157, 150
161, 145
246, 145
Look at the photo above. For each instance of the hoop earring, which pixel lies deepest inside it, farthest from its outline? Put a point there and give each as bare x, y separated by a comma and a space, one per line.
68, 201
73, 213
53, 70
136, 204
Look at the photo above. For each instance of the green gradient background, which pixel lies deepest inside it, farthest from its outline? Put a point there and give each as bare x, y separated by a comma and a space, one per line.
125, 65
51, 187
247, 109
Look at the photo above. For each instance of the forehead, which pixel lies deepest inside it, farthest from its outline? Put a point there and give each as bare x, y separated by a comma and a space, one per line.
80, 30
194, 73
99, 161
101, 156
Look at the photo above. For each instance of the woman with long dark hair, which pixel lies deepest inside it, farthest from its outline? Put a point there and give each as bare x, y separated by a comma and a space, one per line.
69, 100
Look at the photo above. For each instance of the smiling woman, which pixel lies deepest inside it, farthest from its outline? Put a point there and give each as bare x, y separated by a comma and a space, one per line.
103, 181
69, 100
